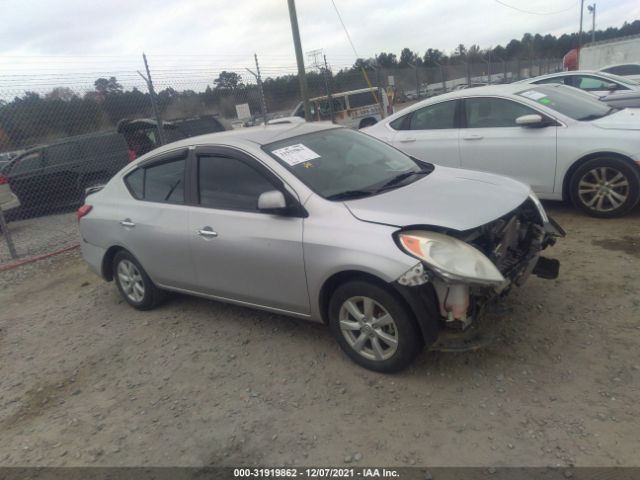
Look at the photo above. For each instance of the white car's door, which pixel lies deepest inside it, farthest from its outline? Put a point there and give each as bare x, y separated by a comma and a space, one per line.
491, 141
430, 134
240, 253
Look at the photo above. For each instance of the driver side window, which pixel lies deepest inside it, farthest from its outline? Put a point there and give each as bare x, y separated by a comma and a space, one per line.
494, 112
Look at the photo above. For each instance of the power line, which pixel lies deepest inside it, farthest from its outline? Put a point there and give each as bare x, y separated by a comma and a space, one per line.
345, 29
533, 13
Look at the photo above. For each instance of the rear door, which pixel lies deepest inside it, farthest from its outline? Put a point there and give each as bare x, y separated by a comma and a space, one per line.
430, 133
153, 224
241, 253
491, 141
62, 164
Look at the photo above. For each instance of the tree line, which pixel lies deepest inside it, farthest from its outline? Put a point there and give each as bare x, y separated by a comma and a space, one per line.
36, 118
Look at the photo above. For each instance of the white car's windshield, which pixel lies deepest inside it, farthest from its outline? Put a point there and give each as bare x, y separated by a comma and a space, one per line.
569, 101
340, 163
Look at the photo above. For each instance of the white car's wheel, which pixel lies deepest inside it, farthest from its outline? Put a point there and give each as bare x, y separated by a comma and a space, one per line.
605, 187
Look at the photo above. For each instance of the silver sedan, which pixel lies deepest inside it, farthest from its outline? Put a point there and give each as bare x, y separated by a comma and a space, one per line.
322, 223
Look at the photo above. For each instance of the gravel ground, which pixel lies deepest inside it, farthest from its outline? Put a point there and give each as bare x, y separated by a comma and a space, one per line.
86, 380
40, 235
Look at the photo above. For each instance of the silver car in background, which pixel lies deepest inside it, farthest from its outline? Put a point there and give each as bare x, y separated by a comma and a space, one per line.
323, 223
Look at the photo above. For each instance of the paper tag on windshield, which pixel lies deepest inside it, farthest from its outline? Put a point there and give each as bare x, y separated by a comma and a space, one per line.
295, 154
533, 95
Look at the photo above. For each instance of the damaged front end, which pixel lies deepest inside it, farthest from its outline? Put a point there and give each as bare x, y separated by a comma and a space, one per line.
463, 272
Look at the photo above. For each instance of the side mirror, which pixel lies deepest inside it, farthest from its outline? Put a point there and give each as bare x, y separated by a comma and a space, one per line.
612, 87
533, 120
272, 201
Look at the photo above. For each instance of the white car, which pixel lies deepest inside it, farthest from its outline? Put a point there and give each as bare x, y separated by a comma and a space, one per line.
596, 83
627, 70
563, 142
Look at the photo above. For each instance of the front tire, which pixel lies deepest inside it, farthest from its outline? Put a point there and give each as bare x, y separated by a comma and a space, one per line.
605, 187
374, 327
134, 284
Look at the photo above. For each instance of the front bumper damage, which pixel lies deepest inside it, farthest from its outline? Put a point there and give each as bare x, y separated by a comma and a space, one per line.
513, 243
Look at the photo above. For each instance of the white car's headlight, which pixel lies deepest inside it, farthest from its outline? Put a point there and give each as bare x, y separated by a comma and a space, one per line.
450, 258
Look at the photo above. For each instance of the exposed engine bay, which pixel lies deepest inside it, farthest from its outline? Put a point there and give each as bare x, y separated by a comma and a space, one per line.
513, 244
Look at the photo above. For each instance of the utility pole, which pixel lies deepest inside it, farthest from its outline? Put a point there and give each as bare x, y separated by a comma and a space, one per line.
152, 96
592, 11
300, 59
580, 34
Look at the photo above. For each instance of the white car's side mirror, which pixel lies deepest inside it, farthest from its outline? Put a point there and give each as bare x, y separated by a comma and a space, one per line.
272, 201
529, 120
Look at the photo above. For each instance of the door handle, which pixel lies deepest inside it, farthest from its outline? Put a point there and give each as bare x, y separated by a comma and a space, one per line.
472, 137
127, 223
207, 232
407, 139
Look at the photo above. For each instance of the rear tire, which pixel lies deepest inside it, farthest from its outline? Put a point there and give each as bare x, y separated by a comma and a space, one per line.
605, 187
374, 327
134, 284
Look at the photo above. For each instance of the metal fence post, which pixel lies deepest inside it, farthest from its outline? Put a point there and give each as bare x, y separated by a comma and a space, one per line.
7, 235
263, 101
327, 87
154, 104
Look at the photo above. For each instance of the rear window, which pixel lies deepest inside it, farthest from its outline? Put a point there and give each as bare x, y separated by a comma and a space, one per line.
31, 162
135, 183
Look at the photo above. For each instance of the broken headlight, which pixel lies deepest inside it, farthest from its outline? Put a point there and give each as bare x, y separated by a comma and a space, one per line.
449, 258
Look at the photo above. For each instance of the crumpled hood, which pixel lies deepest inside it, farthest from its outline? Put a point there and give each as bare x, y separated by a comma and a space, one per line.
447, 197
626, 119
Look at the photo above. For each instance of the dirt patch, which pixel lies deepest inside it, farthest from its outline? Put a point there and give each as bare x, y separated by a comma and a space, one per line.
627, 244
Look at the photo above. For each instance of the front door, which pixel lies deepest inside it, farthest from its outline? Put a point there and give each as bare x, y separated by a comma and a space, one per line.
241, 253
493, 142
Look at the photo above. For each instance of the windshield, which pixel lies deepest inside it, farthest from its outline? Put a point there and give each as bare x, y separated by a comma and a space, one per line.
569, 101
341, 163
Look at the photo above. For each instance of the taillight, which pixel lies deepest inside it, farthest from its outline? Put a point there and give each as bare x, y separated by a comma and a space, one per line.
3, 180
83, 210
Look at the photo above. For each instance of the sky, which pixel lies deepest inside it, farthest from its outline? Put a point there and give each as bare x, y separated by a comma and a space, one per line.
49, 41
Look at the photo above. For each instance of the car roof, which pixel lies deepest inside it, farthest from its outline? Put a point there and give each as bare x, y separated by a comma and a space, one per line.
618, 65
259, 135
502, 89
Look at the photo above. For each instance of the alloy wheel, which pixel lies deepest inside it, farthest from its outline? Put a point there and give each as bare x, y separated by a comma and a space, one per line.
131, 281
368, 328
603, 189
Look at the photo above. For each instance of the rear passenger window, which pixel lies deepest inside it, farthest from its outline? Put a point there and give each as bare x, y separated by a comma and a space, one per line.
61, 154
135, 183
229, 184
165, 182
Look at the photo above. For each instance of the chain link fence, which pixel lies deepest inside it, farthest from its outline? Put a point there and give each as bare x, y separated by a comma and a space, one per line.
61, 134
